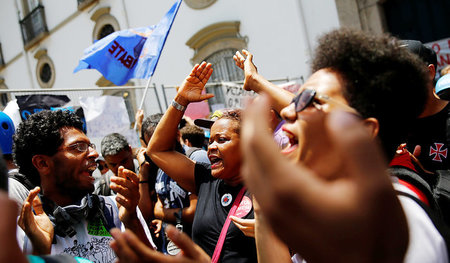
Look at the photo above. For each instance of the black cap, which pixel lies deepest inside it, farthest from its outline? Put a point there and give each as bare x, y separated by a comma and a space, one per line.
207, 123
204, 123
427, 54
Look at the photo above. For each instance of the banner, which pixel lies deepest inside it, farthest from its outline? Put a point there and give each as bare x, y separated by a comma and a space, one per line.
29, 104
442, 49
105, 115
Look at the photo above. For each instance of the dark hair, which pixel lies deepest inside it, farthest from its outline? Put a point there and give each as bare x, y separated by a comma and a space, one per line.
194, 134
41, 134
426, 54
381, 79
235, 115
149, 125
3, 174
113, 143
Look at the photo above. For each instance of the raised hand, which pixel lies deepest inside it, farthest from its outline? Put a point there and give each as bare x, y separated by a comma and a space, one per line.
192, 87
126, 185
139, 117
37, 226
129, 249
156, 226
246, 64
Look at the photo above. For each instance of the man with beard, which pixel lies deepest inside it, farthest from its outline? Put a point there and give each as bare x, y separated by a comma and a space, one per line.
51, 148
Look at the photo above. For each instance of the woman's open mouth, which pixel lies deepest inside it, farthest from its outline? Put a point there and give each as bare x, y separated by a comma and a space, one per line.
215, 161
293, 142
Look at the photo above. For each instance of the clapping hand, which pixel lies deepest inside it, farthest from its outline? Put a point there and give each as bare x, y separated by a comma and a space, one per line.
37, 226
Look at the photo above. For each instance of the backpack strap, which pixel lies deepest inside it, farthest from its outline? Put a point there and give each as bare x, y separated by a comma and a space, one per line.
21, 179
418, 182
442, 193
191, 151
435, 218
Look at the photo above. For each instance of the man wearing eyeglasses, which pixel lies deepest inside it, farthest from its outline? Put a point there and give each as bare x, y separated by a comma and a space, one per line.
52, 149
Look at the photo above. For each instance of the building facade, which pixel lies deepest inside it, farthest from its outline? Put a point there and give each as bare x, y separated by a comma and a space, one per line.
41, 41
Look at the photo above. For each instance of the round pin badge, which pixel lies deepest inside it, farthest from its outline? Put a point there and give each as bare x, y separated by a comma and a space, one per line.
244, 207
173, 249
226, 199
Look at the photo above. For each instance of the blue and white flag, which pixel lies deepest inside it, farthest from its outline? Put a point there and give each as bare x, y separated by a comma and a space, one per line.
130, 53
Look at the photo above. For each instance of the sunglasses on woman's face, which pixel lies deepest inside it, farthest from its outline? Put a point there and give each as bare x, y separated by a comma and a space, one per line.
307, 96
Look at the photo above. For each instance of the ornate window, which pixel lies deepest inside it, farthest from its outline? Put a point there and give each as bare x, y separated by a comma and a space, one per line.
224, 66
217, 44
45, 69
105, 23
199, 4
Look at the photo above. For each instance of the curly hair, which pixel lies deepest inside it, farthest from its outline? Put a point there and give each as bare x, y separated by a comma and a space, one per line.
41, 134
194, 134
113, 143
235, 115
381, 79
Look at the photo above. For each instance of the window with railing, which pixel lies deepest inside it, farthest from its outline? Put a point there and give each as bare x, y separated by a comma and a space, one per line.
224, 70
33, 26
216, 44
224, 66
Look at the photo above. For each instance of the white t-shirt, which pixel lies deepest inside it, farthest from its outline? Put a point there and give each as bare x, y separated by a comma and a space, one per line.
17, 191
90, 242
425, 242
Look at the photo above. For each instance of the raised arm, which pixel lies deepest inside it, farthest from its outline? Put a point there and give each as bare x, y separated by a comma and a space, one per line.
254, 81
146, 186
168, 214
160, 148
126, 185
139, 117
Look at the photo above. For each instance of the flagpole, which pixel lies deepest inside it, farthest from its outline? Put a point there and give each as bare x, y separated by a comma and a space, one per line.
143, 98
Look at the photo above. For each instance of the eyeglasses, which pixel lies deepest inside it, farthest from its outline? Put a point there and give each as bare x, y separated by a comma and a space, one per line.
82, 146
307, 96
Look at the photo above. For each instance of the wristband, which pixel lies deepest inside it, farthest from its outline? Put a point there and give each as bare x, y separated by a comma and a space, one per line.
178, 106
143, 182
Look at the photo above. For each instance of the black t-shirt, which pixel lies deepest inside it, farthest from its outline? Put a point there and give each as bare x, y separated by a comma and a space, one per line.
430, 134
210, 216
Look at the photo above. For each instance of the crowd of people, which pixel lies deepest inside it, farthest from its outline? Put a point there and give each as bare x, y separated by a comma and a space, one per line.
352, 168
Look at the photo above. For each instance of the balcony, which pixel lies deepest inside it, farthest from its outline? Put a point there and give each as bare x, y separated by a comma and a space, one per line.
82, 4
34, 27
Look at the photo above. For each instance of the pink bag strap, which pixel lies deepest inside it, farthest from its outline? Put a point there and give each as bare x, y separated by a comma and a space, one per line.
223, 233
